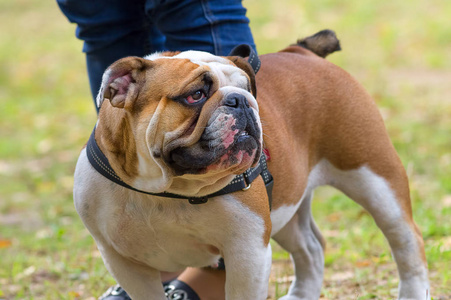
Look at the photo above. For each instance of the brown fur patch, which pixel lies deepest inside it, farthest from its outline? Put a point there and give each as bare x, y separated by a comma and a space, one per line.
333, 118
170, 53
257, 200
247, 68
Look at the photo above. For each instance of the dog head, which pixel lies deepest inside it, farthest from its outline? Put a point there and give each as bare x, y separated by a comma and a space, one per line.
184, 123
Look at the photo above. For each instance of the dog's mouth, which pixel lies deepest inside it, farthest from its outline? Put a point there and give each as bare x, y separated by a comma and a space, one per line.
231, 140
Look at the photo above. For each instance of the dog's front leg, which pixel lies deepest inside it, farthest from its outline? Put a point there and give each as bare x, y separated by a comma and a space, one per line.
247, 271
139, 281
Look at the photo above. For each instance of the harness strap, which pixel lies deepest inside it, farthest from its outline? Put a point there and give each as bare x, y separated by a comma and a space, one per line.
241, 182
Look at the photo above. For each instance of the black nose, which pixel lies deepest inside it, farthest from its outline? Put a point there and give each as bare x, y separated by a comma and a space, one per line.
236, 100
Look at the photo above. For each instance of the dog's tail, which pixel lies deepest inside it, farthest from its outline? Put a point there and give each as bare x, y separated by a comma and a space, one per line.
322, 43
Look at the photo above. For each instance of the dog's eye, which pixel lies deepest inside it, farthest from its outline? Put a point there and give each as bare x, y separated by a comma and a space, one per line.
196, 97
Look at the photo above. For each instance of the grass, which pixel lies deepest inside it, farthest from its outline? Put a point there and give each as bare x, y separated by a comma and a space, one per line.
400, 51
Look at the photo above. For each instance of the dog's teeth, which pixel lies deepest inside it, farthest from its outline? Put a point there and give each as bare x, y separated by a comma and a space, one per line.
243, 133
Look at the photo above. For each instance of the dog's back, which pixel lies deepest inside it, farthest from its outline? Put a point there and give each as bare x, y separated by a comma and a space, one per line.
330, 117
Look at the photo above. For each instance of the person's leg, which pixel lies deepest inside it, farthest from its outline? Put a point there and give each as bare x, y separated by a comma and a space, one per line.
214, 26
134, 44
192, 284
111, 29
207, 283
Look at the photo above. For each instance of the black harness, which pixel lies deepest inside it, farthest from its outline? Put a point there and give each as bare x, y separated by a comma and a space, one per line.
241, 182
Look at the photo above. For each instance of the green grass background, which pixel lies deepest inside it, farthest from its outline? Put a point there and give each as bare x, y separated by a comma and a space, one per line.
399, 50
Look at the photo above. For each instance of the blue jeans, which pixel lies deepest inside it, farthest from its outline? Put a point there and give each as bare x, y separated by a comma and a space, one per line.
112, 29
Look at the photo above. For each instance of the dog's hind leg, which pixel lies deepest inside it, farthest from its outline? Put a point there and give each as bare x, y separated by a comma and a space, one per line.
385, 195
302, 239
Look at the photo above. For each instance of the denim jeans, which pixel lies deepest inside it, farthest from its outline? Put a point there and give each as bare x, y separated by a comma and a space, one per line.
112, 29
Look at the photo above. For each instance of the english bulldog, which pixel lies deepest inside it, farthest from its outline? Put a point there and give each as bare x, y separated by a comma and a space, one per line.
187, 123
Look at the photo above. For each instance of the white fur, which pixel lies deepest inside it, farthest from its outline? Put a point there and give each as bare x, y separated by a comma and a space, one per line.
374, 193
169, 235
283, 214
302, 239
99, 98
248, 274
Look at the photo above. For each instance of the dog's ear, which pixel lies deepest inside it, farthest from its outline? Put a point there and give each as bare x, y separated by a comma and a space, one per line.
244, 65
121, 81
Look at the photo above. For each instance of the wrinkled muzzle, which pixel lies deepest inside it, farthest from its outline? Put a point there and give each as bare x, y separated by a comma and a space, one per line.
231, 140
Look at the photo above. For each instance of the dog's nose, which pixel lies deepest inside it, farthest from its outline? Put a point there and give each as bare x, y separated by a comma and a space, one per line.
236, 100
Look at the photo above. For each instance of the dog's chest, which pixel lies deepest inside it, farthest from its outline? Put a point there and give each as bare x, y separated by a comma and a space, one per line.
171, 234
163, 233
